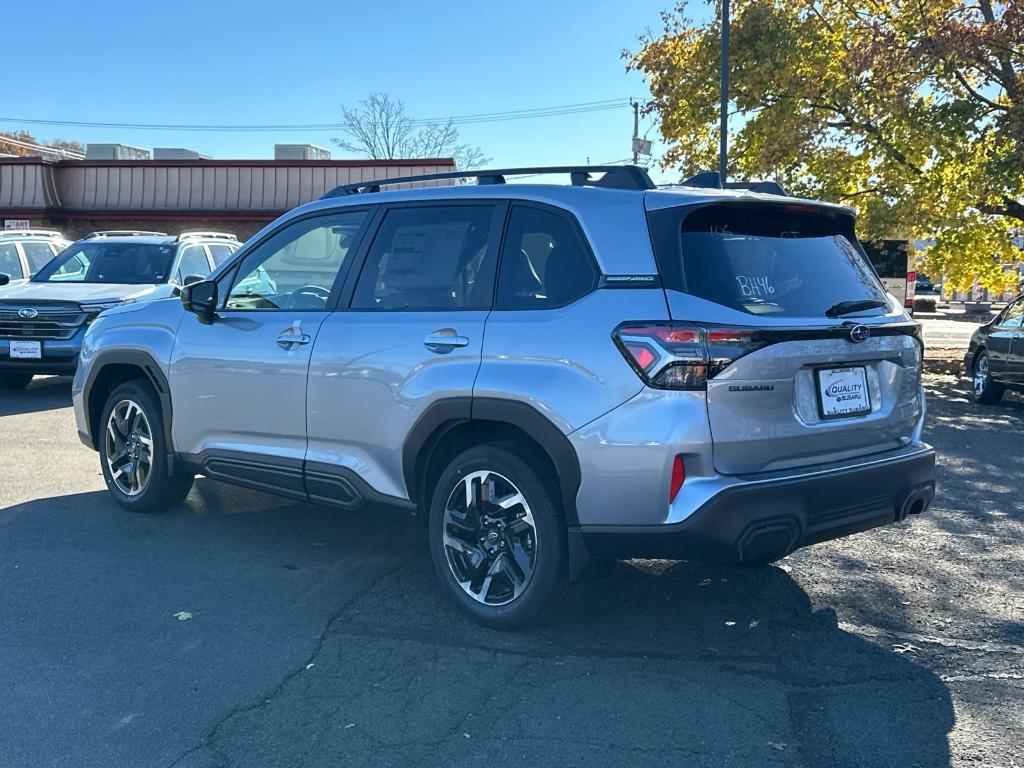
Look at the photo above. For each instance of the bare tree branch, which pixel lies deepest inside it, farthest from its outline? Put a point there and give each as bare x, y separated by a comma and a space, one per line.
379, 128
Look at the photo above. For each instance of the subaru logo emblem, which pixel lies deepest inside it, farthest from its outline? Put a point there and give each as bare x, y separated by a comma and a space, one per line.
860, 333
27, 313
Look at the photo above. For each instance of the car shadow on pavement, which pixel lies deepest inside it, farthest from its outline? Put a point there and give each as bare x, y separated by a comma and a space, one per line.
44, 394
321, 637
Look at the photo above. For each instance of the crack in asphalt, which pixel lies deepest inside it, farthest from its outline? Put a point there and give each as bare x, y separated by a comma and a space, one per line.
210, 739
946, 642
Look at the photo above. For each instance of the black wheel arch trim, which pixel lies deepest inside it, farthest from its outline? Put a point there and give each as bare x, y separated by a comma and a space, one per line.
447, 413
153, 374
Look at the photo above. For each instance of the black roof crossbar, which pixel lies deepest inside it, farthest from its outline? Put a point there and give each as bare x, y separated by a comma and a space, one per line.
615, 177
711, 180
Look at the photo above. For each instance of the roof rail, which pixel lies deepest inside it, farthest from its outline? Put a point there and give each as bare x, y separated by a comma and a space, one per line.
615, 177
124, 233
208, 235
30, 233
711, 180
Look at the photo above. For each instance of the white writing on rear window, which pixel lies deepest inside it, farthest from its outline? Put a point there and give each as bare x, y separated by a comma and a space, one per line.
755, 286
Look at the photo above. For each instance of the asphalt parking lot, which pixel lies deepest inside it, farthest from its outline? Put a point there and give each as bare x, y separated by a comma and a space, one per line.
318, 637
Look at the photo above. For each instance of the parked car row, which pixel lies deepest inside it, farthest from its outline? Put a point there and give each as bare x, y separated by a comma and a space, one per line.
44, 320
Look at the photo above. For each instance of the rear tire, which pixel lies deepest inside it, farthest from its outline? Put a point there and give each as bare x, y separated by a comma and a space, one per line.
985, 390
134, 452
497, 537
10, 381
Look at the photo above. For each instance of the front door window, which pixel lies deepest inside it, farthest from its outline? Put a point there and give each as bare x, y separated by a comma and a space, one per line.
297, 267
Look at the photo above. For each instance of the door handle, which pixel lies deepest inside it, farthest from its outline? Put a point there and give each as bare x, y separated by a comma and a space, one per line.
444, 340
288, 340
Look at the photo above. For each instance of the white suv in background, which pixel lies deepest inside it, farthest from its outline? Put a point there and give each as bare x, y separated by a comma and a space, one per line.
23, 252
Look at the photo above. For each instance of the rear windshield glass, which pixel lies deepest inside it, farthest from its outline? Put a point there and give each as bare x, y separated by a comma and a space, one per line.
98, 262
775, 260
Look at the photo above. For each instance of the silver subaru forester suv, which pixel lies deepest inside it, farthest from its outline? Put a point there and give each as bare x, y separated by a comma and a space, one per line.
551, 377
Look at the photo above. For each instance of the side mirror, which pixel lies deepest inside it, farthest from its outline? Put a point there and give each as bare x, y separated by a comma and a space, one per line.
201, 299
189, 279
4, 279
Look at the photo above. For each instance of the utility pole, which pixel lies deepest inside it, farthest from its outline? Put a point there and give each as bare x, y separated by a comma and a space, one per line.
723, 129
636, 130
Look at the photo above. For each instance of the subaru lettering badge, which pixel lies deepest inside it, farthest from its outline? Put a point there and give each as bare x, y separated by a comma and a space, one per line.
27, 313
860, 333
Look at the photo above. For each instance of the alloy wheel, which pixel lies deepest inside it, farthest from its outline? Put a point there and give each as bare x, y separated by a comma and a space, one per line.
490, 539
980, 375
129, 447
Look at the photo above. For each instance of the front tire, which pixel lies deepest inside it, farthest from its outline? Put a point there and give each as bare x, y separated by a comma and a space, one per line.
10, 381
134, 452
986, 391
497, 538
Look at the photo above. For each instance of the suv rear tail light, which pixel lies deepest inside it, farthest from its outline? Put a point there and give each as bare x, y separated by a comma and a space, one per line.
683, 356
911, 289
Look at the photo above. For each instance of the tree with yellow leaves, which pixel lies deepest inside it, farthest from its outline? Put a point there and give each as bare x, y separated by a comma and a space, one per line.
912, 111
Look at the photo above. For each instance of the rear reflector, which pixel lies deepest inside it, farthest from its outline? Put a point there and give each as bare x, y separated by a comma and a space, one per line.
678, 476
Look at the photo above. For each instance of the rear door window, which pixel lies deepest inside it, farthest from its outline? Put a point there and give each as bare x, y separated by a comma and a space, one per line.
430, 258
37, 255
778, 260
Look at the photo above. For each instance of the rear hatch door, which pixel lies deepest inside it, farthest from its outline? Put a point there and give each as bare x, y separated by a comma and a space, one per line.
799, 382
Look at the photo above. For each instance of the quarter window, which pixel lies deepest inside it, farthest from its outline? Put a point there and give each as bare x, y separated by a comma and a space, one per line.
430, 258
296, 268
543, 262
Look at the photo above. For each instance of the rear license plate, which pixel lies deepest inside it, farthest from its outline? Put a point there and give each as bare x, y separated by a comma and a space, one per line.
843, 392
27, 350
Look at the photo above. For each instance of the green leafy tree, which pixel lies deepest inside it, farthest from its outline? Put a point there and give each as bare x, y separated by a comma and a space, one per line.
912, 111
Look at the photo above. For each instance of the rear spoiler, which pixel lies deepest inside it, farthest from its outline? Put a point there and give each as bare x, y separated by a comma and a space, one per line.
711, 180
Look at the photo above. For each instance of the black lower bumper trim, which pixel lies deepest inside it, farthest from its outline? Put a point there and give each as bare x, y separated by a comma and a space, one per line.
762, 521
52, 367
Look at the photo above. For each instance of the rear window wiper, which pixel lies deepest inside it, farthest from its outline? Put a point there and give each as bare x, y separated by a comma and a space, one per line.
846, 307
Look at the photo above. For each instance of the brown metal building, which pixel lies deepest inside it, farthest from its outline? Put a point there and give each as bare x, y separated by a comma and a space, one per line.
241, 196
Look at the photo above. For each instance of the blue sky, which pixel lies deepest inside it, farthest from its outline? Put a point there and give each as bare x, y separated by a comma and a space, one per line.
258, 63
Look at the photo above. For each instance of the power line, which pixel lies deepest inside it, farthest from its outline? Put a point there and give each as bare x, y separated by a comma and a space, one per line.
485, 117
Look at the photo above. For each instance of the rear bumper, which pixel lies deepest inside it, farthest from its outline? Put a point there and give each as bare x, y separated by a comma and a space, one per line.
764, 518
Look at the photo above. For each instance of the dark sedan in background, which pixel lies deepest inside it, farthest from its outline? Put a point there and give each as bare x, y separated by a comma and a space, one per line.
995, 358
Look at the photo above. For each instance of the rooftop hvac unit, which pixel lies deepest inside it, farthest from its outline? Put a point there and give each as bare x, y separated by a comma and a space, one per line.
177, 153
300, 152
115, 152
